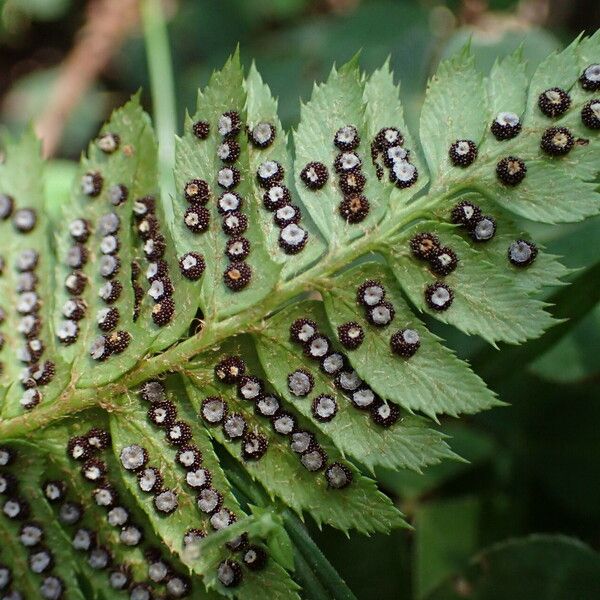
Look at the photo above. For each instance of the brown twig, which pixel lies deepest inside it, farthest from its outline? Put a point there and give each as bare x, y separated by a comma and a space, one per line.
108, 23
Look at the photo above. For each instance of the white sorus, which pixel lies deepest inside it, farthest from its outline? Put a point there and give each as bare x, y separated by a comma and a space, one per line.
27, 260
293, 235
349, 380
333, 363
166, 502
301, 441
268, 406
268, 169
403, 171
109, 223
284, 424
82, 540
507, 118
133, 457
229, 202
208, 500
318, 347
67, 330
226, 177
198, 478
118, 516
158, 571
40, 561
98, 349
108, 265
109, 244
31, 535
221, 519
313, 460
484, 229
130, 535
363, 397
30, 398
213, 410
300, 383
51, 588
262, 133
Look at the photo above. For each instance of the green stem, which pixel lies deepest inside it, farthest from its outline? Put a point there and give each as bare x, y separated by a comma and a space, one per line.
316, 561
162, 85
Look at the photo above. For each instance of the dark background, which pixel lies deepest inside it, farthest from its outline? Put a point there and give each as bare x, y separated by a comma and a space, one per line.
533, 466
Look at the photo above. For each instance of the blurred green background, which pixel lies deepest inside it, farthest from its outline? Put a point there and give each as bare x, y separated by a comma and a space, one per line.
534, 466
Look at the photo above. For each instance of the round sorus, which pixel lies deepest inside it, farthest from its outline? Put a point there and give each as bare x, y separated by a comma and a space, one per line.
237, 276
229, 151
178, 433
276, 197
292, 238
162, 414
189, 457
153, 391
284, 423
133, 457
197, 190
7, 205
347, 162
229, 124
506, 126
150, 480
154, 247
118, 341
324, 408
388, 137
438, 296
229, 202
354, 209
209, 500
108, 142
300, 383
201, 129
352, 183
97, 438
403, 174
107, 319
314, 175
213, 409
370, 293
554, 102
254, 557
228, 178
351, 335
557, 141
166, 502
262, 134
346, 138
234, 426
314, 459
385, 414
229, 573
110, 291
338, 476
234, 223
484, 230
317, 347
250, 388
590, 114
405, 342
91, 184
24, 219
511, 170
163, 311
192, 265
78, 448
466, 214
301, 330
381, 314
286, 215
269, 173
79, 229
443, 261
522, 253
423, 245
254, 446
230, 369
590, 78
237, 249
197, 218
463, 153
